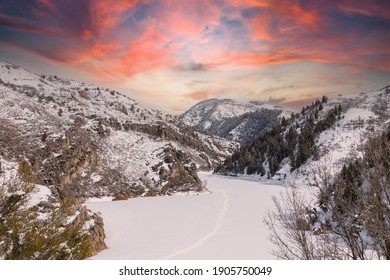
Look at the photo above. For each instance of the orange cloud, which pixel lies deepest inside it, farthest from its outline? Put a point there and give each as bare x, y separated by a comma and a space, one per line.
145, 52
292, 21
205, 94
185, 18
100, 50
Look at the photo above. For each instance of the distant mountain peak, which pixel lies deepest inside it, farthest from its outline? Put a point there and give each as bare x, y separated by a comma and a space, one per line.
232, 119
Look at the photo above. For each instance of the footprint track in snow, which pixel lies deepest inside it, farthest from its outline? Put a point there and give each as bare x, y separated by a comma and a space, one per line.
215, 229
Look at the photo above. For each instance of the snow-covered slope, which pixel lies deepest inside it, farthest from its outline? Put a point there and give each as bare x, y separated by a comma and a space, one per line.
232, 119
90, 141
324, 136
363, 116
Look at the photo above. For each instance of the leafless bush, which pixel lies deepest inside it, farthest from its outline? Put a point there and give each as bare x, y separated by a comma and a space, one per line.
351, 217
289, 227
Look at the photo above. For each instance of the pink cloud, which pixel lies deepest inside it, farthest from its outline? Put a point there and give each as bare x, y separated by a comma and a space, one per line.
105, 15
368, 8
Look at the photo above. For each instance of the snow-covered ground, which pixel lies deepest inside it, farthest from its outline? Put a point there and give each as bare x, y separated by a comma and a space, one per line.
226, 224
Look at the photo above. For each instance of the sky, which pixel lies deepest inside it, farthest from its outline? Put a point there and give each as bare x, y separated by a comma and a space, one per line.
171, 54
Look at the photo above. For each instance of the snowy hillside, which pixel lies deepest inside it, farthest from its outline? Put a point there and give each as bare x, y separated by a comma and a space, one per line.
91, 141
363, 116
232, 119
327, 134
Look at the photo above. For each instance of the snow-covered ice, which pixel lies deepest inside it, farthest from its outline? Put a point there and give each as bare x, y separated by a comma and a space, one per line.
226, 224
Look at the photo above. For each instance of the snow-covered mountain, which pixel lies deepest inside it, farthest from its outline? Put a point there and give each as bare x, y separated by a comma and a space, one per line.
232, 119
91, 141
324, 136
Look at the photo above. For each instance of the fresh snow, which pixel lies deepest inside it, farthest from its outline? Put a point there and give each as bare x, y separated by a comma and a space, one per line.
225, 224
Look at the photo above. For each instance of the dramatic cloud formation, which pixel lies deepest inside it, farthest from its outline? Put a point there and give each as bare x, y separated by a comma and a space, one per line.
196, 49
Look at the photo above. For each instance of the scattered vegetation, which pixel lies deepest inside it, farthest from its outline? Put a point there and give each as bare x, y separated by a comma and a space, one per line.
351, 217
27, 232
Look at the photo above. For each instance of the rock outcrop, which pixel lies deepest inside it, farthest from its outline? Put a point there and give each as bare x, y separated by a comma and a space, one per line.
180, 174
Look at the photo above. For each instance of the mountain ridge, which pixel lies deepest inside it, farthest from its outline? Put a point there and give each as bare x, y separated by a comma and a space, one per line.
328, 133
73, 133
232, 119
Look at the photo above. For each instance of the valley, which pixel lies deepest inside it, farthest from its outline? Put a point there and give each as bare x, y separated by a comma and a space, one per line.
141, 172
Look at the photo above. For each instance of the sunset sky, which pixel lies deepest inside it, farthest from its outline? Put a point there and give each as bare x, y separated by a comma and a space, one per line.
170, 54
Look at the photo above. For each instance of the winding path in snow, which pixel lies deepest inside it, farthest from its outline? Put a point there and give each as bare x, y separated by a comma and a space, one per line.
226, 224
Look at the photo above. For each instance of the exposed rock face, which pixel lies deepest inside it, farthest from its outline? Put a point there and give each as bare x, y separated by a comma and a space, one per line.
64, 159
186, 136
96, 231
61, 162
181, 174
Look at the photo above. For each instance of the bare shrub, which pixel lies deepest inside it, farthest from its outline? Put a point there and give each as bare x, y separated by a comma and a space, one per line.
349, 220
